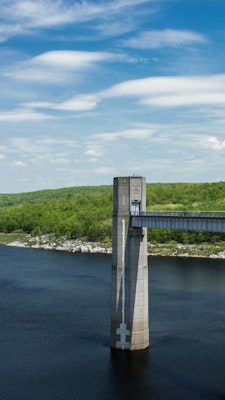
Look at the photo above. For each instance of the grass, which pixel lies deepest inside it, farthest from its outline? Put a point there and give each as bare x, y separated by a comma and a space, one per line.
6, 238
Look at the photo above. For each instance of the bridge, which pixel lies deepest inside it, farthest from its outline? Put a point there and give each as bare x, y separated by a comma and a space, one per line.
207, 221
129, 301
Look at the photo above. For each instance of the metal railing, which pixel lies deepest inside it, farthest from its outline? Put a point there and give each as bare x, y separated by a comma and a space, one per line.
183, 214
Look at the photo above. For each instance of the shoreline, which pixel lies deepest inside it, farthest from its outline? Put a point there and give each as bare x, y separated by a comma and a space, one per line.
50, 242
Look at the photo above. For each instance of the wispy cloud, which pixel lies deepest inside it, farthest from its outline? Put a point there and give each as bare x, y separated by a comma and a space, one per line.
33, 14
134, 133
179, 100
31, 146
166, 92
105, 170
78, 103
23, 16
115, 28
39, 152
175, 91
163, 38
21, 115
58, 160
58, 66
214, 143
19, 163
94, 151
73, 59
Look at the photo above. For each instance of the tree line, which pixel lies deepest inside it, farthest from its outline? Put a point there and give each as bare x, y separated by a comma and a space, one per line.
86, 212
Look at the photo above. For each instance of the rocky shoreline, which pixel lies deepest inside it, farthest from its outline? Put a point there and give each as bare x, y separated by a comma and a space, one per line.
51, 242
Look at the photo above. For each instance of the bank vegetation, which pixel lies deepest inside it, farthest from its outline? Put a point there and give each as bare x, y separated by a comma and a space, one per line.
86, 212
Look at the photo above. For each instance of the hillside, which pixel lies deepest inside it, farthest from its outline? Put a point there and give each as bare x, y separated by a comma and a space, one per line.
87, 211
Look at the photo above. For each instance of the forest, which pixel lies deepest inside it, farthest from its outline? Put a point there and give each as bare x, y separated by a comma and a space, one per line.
86, 211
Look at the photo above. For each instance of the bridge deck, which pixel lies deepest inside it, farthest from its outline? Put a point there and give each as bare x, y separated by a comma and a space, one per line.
207, 221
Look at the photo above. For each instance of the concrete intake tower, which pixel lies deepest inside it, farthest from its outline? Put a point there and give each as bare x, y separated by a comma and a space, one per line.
129, 318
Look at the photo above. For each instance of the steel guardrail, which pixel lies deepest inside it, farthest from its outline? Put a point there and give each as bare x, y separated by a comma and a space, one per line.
183, 214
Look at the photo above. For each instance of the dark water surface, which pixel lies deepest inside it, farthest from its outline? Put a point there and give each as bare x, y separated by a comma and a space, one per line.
55, 322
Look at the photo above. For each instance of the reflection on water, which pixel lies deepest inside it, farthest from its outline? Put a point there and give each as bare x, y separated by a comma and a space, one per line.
132, 374
55, 323
188, 273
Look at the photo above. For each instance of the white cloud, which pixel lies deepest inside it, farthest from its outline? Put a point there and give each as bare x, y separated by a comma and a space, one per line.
18, 164
178, 100
41, 148
172, 91
171, 84
59, 66
23, 16
71, 59
78, 103
96, 152
39, 74
21, 115
105, 170
2, 156
30, 14
47, 141
214, 143
115, 28
8, 30
164, 38
92, 160
135, 133
39, 104
118, 4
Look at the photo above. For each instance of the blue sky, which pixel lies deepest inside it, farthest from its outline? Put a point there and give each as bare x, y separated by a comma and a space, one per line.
95, 89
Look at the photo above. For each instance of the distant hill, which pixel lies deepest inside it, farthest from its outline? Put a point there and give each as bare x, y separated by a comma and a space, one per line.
86, 211
41, 196
193, 196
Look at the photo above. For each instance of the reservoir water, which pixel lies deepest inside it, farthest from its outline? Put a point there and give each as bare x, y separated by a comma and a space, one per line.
55, 323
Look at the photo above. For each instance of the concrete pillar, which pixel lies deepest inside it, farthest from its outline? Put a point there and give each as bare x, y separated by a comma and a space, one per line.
129, 318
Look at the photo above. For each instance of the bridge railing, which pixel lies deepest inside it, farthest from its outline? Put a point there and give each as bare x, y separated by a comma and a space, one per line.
183, 214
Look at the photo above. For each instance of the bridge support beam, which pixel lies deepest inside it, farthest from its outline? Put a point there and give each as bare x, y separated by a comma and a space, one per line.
129, 317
